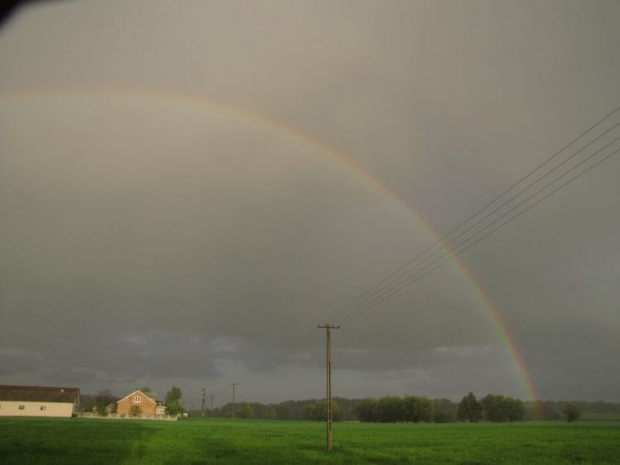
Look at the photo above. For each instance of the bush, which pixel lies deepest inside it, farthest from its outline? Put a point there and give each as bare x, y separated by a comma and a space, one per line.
571, 412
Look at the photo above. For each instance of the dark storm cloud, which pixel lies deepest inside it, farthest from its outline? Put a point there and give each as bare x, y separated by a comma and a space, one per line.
389, 360
16, 361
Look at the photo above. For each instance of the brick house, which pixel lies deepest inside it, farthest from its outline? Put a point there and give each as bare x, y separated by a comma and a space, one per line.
146, 404
38, 401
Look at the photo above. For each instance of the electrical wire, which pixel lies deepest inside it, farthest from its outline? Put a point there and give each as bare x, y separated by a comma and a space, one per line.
406, 268
414, 269
454, 252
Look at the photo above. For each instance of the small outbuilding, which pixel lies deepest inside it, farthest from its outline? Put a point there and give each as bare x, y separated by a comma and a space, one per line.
38, 401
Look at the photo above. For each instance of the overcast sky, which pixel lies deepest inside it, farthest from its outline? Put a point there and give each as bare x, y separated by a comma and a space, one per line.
188, 188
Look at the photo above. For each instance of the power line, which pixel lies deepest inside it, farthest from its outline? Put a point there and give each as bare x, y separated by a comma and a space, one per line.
407, 266
454, 251
405, 275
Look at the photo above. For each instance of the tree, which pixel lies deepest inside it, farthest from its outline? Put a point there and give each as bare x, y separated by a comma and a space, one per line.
87, 403
245, 411
135, 411
515, 410
492, 408
103, 399
470, 409
501, 409
314, 411
346, 407
571, 412
390, 410
148, 392
101, 410
366, 410
173, 401
317, 411
269, 413
445, 410
417, 409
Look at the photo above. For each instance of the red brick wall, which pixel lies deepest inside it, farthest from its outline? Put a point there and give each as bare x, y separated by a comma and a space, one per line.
146, 404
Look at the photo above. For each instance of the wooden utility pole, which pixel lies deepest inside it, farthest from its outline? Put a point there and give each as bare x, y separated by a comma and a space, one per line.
211, 398
233, 404
204, 392
328, 329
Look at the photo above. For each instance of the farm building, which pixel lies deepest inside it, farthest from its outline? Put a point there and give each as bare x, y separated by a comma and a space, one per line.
146, 404
38, 401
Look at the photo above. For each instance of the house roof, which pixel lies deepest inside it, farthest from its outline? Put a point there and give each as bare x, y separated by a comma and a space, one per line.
138, 392
39, 394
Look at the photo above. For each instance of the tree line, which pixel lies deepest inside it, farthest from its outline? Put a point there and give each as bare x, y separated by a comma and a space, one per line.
492, 407
388, 409
309, 409
394, 409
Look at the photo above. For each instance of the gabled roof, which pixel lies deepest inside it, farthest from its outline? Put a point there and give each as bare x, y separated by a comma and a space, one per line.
138, 392
39, 394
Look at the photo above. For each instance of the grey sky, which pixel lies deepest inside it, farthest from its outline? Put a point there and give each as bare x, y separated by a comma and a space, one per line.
164, 222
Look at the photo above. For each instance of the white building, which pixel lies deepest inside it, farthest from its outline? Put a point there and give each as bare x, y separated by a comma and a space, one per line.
38, 401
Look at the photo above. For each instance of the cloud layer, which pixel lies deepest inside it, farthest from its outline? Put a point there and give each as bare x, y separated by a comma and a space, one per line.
182, 202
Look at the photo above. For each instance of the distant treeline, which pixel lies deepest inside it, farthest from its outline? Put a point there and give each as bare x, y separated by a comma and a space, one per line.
391, 409
553, 410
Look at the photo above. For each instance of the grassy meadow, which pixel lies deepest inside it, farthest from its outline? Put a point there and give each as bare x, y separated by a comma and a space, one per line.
205, 441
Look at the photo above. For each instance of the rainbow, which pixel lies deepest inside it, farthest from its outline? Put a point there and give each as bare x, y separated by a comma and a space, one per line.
338, 157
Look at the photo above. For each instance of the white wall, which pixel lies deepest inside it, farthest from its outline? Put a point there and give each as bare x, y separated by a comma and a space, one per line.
33, 409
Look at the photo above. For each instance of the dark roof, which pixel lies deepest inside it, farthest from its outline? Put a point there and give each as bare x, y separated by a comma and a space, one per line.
39, 394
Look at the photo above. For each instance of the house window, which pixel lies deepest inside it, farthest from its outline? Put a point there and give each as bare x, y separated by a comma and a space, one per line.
43, 407
137, 399
22, 407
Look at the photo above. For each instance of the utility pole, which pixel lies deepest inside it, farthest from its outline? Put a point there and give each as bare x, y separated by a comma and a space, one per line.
204, 393
233, 404
328, 329
211, 399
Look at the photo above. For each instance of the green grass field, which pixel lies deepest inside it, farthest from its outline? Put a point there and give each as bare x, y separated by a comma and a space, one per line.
204, 441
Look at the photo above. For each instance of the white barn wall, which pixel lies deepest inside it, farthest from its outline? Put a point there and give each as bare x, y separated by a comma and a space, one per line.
33, 409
